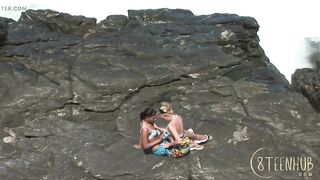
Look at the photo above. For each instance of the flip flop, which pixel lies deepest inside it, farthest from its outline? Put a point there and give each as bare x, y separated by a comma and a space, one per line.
208, 137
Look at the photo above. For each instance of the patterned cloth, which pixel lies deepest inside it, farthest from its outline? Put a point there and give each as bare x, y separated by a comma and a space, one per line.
179, 150
182, 149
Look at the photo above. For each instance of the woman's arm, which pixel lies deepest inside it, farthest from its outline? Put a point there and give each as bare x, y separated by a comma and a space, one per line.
175, 135
145, 141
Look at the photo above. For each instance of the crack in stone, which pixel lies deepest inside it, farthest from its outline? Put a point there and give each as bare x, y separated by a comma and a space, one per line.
241, 101
46, 77
229, 66
30, 42
33, 137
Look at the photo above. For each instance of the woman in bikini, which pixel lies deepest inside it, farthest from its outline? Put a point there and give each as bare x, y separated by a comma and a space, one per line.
175, 129
159, 141
151, 136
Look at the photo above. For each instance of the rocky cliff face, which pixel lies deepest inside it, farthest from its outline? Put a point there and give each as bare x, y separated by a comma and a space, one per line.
71, 92
307, 80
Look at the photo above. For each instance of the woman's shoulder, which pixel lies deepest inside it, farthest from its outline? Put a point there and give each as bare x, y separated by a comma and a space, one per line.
145, 128
176, 116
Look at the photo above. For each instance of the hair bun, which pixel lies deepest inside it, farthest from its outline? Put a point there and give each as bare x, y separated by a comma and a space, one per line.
165, 107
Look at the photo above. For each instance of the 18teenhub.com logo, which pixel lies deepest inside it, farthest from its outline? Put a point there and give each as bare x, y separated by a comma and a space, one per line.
265, 164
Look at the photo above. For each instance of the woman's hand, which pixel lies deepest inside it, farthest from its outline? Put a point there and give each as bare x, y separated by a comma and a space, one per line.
137, 146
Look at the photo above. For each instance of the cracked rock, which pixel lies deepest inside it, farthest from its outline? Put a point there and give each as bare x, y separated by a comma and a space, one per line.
71, 92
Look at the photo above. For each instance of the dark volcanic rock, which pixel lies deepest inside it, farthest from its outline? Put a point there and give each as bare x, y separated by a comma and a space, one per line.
307, 81
71, 92
58, 22
160, 16
4, 29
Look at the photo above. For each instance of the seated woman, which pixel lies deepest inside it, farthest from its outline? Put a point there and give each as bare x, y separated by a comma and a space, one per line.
151, 137
176, 131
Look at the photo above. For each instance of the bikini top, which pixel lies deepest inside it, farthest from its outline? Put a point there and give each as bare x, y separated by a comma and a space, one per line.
153, 133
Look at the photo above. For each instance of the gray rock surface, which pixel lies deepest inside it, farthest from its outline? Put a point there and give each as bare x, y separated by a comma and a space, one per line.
4, 29
71, 91
307, 81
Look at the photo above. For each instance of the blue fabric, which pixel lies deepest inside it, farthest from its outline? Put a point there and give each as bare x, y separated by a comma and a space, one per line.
162, 151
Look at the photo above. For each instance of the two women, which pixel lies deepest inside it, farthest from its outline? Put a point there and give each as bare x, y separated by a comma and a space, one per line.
175, 128
172, 140
151, 137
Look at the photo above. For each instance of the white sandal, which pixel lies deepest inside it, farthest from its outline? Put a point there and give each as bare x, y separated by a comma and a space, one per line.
208, 137
196, 148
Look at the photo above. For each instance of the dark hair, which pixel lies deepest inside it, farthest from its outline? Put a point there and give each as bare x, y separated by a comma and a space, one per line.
147, 112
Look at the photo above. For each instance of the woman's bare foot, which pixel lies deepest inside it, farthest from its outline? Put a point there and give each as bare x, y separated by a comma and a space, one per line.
137, 146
